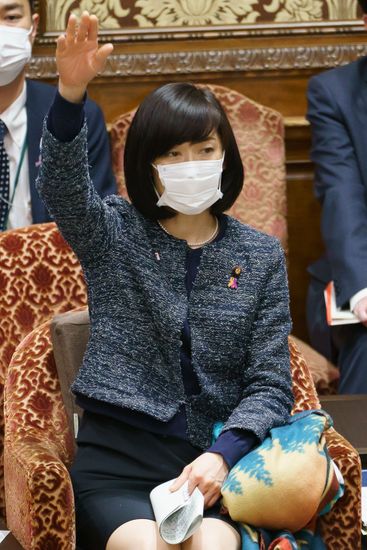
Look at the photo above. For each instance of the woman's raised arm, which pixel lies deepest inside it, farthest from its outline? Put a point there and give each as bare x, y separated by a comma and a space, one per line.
88, 223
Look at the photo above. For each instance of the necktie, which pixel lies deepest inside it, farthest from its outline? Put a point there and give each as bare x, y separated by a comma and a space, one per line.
4, 178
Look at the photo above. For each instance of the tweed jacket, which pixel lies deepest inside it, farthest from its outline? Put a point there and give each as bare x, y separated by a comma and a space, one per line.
135, 275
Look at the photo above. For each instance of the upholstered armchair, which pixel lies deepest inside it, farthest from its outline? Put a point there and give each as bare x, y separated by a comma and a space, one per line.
39, 449
39, 276
262, 203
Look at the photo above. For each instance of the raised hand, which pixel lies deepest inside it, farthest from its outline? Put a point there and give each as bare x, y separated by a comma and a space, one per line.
78, 57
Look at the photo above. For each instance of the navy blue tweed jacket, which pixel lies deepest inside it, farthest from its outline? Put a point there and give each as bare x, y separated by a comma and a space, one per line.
135, 275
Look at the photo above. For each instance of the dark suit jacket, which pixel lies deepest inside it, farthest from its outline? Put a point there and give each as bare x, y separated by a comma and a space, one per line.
337, 111
39, 100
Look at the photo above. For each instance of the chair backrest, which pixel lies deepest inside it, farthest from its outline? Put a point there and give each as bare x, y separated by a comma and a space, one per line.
259, 133
39, 276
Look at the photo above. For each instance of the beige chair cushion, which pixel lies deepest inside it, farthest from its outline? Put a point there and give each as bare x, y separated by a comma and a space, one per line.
70, 334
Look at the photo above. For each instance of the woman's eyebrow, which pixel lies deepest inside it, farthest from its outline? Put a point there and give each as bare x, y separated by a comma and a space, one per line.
13, 6
209, 138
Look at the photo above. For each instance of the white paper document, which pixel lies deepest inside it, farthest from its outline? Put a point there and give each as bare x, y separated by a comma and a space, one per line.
177, 514
3, 535
334, 314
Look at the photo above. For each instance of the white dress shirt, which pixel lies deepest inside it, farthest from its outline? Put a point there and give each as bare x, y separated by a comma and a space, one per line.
15, 118
356, 297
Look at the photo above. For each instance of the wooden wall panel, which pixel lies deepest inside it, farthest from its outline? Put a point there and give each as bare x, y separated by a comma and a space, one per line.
305, 243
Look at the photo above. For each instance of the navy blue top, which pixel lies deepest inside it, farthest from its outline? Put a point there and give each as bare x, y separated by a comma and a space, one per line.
65, 121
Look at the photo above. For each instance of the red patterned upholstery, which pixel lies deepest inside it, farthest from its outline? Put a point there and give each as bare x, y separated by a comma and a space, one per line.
259, 133
39, 276
38, 450
38, 447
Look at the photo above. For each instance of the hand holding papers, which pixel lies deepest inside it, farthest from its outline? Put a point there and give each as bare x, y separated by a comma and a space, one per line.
177, 514
335, 315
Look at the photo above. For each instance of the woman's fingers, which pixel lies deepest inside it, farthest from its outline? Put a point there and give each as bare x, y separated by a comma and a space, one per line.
102, 54
61, 44
209, 488
209, 485
181, 479
211, 499
83, 28
71, 29
93, 28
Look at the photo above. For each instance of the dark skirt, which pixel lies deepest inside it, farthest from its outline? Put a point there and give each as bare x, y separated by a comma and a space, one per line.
115, 468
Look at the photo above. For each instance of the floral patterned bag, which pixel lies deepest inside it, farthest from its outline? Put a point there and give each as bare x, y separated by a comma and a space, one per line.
287, 480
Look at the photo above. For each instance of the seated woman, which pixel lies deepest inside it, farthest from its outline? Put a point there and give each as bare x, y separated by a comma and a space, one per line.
189, 308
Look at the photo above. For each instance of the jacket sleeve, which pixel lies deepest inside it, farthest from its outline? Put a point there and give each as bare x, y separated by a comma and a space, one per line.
99, 152
233, 445
340, 189
267, 396
87, 222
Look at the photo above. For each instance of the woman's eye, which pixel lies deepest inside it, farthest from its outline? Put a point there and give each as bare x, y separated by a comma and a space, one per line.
208, 150
13, 18
171, 154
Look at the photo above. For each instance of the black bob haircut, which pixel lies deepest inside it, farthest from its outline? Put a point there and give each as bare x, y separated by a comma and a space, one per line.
363, 4
31, 3
173, 114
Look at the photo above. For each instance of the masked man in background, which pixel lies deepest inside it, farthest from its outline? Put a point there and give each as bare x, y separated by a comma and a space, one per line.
23, 106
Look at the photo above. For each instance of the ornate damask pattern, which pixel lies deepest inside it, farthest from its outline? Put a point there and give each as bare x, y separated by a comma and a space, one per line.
168, 13
109, 12
115, 14
295, 10
39, 276
38, 448
305, 396
341, 527
259, 135
324, 374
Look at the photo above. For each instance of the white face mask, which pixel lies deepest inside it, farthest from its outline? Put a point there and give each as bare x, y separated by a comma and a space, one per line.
190, 187
15, 52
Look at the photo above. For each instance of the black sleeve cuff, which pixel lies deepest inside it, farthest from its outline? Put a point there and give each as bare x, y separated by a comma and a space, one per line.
65, 119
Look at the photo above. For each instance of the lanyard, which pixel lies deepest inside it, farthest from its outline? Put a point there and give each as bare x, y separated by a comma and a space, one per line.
16, 181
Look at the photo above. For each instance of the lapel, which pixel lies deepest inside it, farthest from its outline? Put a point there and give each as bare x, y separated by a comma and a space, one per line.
360, 118
39, 99
361, 86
